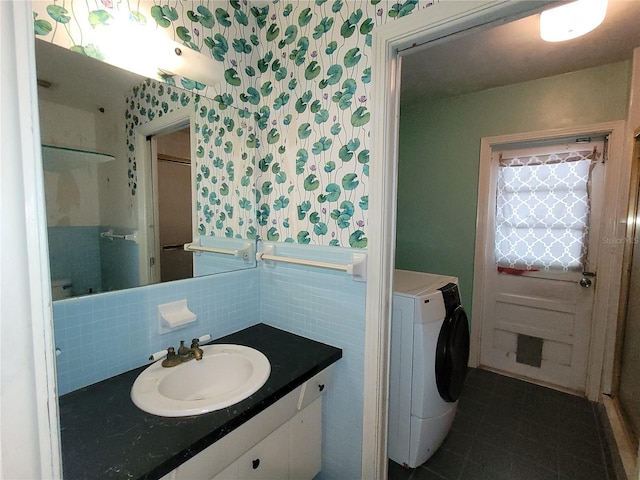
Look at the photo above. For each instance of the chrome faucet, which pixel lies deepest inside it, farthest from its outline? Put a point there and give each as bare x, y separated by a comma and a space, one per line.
184, 354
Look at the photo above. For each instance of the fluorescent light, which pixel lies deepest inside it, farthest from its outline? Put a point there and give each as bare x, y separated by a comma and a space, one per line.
571, 20
177, 59
120, 44
148, 52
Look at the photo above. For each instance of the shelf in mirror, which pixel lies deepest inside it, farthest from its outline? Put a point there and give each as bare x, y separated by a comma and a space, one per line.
57, 159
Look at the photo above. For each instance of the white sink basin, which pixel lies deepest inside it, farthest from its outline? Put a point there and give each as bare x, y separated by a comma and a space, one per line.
226, 375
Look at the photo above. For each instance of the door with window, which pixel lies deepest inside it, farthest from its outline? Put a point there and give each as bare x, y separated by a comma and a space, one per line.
543, 234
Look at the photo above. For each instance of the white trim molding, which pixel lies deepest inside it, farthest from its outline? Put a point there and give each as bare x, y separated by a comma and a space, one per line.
30, 442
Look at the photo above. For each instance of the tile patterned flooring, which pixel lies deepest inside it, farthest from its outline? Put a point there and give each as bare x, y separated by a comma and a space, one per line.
513, 430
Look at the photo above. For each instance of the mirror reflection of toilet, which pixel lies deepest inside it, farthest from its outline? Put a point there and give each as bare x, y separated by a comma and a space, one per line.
61, 289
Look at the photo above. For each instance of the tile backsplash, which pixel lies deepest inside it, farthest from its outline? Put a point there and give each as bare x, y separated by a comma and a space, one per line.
102, 336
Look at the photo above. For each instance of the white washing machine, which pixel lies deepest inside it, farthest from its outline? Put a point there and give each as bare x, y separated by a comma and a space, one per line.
429, 355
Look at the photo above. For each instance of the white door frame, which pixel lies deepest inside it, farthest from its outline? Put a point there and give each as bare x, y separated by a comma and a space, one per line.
148, 185
430, 24
608, 262
30, 443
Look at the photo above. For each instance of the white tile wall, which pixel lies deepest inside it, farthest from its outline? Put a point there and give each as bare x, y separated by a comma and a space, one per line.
327, 306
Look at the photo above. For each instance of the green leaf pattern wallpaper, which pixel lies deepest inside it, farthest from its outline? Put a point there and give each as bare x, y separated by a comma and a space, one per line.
287, 131
224, 174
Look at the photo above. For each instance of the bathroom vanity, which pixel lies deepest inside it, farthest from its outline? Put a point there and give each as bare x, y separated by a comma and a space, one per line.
104, 435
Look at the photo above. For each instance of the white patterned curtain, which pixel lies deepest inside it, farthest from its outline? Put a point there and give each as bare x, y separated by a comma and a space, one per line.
542, 211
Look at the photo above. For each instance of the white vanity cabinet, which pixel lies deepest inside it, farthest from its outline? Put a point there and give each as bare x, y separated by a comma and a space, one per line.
293, 451
268, 460
282, 442
305, 442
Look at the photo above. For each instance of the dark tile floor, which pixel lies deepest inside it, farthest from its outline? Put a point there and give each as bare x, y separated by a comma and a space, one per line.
510, 429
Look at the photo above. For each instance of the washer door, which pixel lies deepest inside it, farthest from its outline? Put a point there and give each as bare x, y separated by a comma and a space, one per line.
452, 355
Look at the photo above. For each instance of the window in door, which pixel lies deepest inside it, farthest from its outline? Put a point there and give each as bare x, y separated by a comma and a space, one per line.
543, 206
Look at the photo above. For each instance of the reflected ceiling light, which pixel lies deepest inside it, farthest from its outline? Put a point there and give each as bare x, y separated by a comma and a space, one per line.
176, 59
571, 20
149, 52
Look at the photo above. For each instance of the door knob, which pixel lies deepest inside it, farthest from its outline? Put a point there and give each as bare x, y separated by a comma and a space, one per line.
585, 282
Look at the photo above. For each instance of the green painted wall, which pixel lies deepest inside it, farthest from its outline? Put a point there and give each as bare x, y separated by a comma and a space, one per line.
440, 151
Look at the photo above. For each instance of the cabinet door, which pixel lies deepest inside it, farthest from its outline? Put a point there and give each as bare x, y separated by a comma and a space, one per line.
269, 459
315, 387
305, 442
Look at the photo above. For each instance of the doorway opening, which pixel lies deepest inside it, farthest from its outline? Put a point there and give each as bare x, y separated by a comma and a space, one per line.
385, 183
171, 152
166, 197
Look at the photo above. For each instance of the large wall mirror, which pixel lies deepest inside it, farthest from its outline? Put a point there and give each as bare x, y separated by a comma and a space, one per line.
128, 181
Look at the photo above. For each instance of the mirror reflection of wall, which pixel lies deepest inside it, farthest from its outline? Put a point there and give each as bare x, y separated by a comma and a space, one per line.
72, 199
96, 209
85, 194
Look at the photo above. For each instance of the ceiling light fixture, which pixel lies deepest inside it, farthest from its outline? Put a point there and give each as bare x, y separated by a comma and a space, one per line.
176, 59
571, 20
147, 51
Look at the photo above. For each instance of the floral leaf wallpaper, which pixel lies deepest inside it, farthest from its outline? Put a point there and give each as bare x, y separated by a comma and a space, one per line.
224, 174
294, 155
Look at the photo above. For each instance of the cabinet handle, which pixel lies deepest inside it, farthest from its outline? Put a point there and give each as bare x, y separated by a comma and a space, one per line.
321, 387
255, 463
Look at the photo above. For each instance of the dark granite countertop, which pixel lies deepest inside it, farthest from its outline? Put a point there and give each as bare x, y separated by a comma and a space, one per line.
104, 435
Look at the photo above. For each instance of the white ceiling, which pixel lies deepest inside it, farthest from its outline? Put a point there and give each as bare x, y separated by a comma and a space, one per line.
514, 53
79, 81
